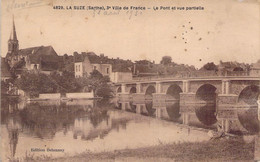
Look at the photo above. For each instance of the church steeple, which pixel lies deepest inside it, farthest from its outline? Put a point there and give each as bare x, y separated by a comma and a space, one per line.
13, 35
13, 44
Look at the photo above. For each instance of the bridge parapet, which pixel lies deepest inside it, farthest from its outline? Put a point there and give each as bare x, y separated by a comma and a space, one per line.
196, 74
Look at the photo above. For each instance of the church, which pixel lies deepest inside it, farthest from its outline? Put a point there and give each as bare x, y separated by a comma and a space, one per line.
43, 59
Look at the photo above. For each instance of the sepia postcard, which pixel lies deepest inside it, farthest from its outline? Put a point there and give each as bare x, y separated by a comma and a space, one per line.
130, 80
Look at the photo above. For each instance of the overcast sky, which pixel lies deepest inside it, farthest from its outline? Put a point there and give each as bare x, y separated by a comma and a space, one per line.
225, 30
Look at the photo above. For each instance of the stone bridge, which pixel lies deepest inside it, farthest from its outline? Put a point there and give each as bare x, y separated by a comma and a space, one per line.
223, 96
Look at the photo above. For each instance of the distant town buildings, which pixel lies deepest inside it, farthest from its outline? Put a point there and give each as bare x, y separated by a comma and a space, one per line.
44, 59
117, 70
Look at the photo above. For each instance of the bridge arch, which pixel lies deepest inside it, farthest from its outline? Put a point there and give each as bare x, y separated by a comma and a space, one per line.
173, 101
248, 111
173, 92
206, 92
119, 90
132, 90
150, 90
205, 108
249, 95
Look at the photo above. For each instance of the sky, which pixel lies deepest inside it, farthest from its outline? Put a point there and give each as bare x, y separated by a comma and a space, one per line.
226, 30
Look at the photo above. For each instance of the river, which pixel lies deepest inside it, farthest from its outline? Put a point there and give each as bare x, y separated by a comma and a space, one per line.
55, 128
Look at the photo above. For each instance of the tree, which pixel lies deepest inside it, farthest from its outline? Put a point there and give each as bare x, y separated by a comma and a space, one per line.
166, 60
210, 66
4, 87
99, 84
35, 83
143, 62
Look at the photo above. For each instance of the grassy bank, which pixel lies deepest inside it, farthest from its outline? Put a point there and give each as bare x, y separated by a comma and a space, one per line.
234, 149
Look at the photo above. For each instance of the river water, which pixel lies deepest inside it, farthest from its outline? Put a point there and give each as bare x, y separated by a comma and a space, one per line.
73, 127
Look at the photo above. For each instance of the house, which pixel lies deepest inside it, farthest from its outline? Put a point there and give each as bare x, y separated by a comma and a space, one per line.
85, 63
42, 58
120, 73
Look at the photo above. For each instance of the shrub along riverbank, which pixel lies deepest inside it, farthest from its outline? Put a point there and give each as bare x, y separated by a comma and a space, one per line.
34, 83
233, 149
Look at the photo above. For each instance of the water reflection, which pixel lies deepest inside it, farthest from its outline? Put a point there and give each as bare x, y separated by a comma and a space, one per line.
206, 114
249, 120
13, 128
79, 125
97, 126
149, 107
132, 107
239, 121
173, 110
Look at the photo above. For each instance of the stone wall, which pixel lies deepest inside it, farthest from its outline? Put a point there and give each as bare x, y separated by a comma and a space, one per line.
195, 85
187, 102
165, 86
50, 96
237, 86
80, 95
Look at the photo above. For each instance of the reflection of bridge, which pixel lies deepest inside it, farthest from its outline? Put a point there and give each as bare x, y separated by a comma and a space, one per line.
223, 93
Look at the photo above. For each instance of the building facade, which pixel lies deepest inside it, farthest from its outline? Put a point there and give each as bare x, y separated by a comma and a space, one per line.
85, 63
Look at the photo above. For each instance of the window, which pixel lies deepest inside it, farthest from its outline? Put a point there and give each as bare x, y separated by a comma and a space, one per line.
95, 68
107, 70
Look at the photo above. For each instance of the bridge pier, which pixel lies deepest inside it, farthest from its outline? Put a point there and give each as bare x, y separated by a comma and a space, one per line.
124, 106
139, 108
159, 95
124, 96
187, 102
186, 86
158, 112
225, 86
185, 118
187, 106
158, 99
226, 110
138, 96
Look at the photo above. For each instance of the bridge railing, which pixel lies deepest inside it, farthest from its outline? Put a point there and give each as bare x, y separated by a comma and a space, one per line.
195, 74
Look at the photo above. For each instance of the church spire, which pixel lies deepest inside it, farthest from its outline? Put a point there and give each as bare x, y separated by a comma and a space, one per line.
13, 43
13, 35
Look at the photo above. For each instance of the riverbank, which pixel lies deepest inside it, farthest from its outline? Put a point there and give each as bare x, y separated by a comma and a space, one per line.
232, 149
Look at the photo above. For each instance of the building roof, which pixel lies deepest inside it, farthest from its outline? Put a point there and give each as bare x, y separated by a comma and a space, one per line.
38, 51
44, 55
121, 68
5, 68
92, 57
